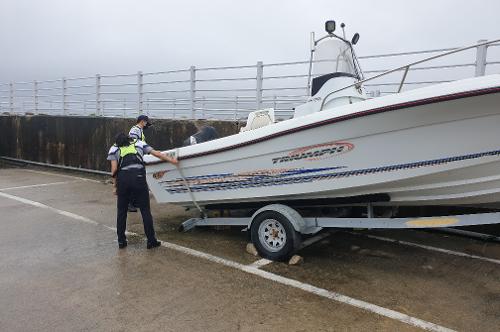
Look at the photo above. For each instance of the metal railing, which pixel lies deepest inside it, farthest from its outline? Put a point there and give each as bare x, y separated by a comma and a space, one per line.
481, 47
231, 92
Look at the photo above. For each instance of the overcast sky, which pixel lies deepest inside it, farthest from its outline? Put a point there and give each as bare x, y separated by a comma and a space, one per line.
41, 39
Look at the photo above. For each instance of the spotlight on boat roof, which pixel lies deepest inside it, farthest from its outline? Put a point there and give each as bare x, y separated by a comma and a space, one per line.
355, 39
330, 26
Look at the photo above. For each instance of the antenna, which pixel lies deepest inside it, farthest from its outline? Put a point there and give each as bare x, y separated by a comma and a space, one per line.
342, 25
313, 48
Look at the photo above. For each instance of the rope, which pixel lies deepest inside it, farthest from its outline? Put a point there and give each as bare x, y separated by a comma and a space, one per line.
188, 188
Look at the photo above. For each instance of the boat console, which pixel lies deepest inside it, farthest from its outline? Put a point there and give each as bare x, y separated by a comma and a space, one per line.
333, 65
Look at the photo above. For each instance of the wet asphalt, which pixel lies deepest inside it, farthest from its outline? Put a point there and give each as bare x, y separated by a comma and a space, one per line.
58, 273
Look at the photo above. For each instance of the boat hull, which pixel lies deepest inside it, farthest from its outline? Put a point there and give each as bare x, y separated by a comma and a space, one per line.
427, 150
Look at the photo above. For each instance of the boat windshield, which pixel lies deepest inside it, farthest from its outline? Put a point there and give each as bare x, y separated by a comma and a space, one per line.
333, 56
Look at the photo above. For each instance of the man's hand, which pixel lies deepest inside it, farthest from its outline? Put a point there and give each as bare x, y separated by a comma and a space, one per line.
173, 161
164, 157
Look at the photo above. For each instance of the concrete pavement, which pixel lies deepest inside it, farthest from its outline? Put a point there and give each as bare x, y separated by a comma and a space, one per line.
61, 274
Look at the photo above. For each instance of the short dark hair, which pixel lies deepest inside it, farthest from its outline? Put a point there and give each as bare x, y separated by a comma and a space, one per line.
142, 117
122, 139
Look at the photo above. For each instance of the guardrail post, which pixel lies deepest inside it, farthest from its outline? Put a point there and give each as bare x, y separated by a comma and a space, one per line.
98, 110
11, 97
481, 59
140, 92
203, 106
63, 92
35, 95
192, 91
260, 75
236, 106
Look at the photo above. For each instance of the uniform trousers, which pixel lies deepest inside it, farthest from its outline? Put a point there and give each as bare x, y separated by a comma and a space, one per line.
130, 184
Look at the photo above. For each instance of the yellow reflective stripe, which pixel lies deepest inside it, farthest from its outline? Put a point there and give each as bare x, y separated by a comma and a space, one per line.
126, 150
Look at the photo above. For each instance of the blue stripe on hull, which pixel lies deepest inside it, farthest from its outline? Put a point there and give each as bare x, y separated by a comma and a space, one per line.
231, 181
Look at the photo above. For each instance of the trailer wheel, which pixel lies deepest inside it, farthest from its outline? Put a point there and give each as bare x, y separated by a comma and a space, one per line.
274, 236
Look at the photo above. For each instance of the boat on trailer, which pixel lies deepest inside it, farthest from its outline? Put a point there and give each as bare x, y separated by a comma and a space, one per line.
434, 146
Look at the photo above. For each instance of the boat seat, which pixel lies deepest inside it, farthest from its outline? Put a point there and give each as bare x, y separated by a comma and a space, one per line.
259, 119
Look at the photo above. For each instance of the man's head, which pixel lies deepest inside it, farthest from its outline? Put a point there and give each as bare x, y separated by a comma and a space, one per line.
122, 139
143, 121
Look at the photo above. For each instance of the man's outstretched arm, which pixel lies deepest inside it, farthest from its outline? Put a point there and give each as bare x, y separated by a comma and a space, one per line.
164, 157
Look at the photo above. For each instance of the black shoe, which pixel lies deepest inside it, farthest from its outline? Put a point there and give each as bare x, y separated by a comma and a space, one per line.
122, 245
152, 245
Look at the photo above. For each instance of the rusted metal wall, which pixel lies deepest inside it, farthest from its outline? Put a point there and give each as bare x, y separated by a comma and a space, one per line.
84, 141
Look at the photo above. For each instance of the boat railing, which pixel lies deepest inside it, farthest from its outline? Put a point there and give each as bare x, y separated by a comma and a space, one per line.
480, 70
229, 92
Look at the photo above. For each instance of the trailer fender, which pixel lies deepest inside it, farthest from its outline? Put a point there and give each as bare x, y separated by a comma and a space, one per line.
293, 216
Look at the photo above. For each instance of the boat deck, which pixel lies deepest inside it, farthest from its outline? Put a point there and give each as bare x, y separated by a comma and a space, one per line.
61, 270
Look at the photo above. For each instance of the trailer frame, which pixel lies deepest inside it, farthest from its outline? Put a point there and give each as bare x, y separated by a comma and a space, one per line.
313, 225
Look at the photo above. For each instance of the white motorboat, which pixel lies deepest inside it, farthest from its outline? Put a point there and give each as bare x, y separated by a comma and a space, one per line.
438, 145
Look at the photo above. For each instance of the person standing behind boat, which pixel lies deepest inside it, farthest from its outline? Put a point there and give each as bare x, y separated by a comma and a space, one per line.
141, 125
129, 179
137, 132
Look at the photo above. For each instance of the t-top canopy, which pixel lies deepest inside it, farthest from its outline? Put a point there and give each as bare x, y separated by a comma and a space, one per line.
334, 56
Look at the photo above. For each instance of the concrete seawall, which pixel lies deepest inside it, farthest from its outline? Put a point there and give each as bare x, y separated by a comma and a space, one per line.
84, 141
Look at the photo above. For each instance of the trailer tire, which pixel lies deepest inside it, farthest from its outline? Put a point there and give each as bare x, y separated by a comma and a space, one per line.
273, 236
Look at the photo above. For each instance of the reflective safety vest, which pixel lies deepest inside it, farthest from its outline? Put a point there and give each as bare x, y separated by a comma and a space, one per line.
129, 156
143, 138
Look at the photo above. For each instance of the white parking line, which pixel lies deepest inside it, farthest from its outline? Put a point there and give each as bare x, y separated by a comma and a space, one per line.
39, 185
62, 175
312, 289
46, 207
263, 274
423, 246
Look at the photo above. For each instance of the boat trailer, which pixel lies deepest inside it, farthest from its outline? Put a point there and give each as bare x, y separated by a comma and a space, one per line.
276, 229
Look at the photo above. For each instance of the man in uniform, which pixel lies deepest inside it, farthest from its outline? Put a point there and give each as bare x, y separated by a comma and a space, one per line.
142, 124
129, 179
137, 132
